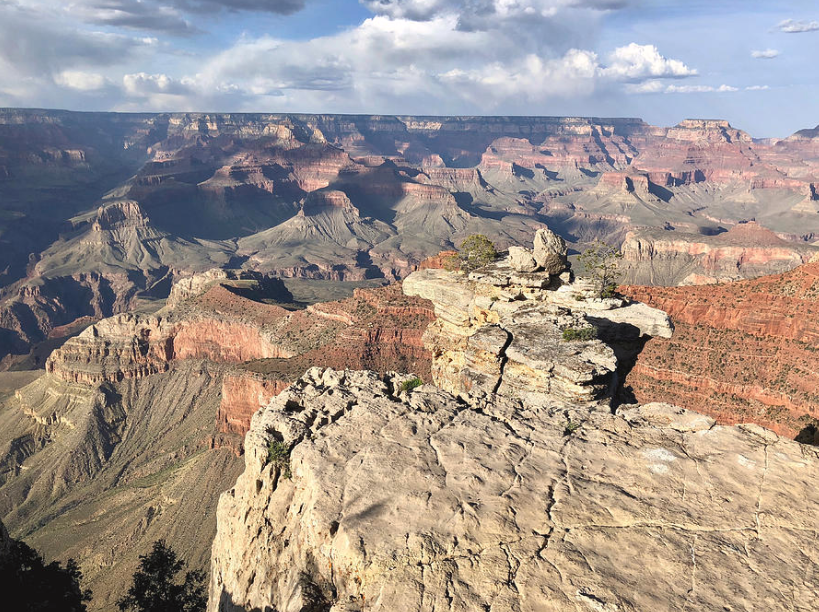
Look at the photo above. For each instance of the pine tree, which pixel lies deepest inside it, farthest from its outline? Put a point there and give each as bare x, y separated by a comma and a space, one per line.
601, 262
155, 587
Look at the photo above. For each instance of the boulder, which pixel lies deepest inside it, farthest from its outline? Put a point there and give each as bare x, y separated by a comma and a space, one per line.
550, 252
522, 260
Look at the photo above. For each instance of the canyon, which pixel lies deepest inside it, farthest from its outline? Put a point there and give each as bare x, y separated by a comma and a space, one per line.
197, 286
137, 424
102, 213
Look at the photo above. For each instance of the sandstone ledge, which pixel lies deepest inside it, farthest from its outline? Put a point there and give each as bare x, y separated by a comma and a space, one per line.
499, 330
422, 501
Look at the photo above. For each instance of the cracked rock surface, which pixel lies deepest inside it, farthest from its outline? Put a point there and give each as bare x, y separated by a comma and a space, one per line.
502, 331
420, 501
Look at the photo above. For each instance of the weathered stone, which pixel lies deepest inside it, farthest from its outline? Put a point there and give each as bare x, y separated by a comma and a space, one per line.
522, 259
536, 361
422, 502
550, 252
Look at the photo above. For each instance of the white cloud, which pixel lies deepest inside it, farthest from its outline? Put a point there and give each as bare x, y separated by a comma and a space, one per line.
656, 87
435, 56
80, 80
402, 63
477, 11
533, 79
143, 84
765, 54
792, 26
638, 62
700, 89
646, 87
757, 88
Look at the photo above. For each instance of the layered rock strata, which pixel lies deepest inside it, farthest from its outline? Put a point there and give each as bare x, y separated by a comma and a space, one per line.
505, 331
742, 352
747, 250
421, 501
334, 197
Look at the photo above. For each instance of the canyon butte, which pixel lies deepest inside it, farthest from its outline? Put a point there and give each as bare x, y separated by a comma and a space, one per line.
173, 275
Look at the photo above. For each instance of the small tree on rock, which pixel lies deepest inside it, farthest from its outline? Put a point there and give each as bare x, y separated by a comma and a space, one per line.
476, 252
155, 587
601, 262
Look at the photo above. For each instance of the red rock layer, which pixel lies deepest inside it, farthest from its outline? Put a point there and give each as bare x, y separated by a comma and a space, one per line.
243, 393
380, 329
742, 352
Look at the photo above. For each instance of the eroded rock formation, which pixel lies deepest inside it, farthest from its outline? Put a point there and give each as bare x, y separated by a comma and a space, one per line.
419, 501
747, 250
501, 330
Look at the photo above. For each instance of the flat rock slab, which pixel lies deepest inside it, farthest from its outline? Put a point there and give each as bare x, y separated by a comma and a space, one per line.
421, 502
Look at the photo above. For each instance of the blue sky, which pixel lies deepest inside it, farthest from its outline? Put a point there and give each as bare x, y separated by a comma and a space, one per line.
751, 62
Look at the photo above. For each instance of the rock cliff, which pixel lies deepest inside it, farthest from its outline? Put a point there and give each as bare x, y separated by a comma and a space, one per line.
747, 250
742, 352
420, 501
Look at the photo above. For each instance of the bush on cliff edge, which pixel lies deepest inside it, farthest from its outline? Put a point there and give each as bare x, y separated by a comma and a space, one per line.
476, 252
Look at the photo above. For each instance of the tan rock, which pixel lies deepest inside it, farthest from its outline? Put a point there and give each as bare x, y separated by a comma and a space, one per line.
500, 330
522, 259
422, 502
550, 252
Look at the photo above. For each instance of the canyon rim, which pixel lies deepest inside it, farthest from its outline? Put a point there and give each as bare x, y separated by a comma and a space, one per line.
409, 305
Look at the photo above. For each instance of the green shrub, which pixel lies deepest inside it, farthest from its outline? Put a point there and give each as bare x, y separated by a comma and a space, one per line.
476, 252
278, 453
571, 334
412, 383
570, 428
156, 586
601, 262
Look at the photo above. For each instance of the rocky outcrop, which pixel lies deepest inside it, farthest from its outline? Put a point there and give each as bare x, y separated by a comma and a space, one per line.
378, 329
135, 346
520, 334
741, 352
550, 252
419, 501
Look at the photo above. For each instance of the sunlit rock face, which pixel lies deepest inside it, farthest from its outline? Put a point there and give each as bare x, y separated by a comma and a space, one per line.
741, 352
420, 501
502, 330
